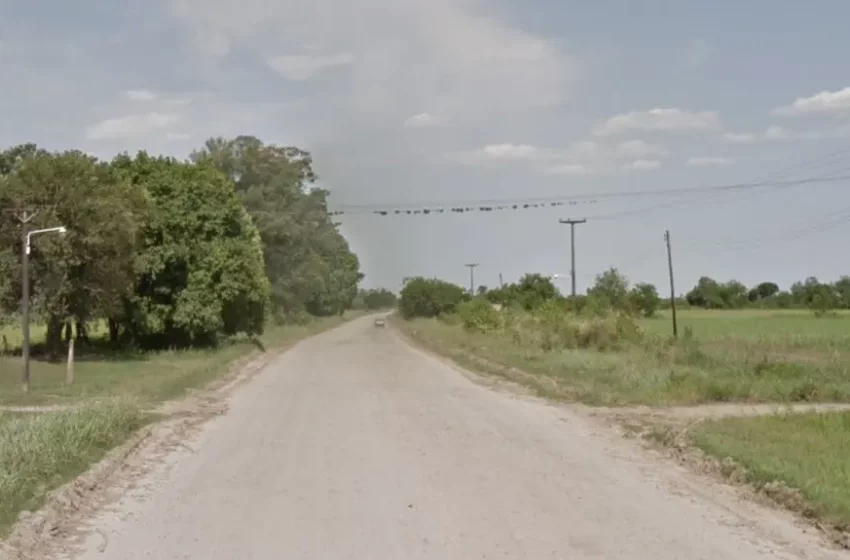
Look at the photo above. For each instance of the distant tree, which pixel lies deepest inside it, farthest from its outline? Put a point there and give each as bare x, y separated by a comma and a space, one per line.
706, 294
763, 291
644, 299
481, 290
734, 294
842, 292
533, 290
379, 299
611, 287
423, 297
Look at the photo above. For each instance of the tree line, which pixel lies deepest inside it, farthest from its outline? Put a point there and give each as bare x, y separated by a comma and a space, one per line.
611, 290
172, 253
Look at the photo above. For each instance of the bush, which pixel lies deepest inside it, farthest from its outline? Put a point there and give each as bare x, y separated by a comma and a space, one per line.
479, 315
426, 298
644, 299
552, 327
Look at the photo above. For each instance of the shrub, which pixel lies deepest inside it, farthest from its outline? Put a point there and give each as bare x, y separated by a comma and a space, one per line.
553, 327
644, 299
479, 315
422, 297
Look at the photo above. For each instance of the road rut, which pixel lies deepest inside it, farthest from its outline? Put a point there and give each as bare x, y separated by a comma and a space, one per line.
353, 445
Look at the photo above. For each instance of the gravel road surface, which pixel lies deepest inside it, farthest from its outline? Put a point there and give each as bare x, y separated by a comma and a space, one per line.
354, 445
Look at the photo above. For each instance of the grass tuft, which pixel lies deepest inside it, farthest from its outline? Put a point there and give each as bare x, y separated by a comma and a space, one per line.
40, 452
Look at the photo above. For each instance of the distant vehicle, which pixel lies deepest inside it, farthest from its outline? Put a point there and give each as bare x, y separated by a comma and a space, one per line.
379, 322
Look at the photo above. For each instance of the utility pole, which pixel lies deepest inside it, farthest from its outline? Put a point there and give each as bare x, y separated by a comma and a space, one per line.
573, 250
672, 288
471, 278
25, 218
501, 282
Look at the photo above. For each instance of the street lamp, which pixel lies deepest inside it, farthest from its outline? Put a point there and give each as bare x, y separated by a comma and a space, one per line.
25, 304
60, 229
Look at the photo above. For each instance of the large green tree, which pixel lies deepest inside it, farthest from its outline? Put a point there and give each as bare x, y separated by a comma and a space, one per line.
308, 262
86, 273
199, 265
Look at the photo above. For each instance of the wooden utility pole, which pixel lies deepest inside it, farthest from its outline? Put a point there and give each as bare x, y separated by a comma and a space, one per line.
25, 218
672, 286
573, 250
471, 278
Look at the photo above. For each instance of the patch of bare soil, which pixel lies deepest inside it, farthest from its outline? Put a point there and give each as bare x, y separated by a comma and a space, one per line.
53, 529
687, 414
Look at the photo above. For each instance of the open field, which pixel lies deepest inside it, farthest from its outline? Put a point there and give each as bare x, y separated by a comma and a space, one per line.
809, 452
148, 377
775, 330
733, 356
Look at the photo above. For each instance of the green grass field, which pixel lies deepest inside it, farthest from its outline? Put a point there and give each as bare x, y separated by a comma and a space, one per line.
744, 356
149, 377
771, 329
809, 452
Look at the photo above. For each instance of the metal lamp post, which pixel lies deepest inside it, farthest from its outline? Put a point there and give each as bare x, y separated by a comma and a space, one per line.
25, 305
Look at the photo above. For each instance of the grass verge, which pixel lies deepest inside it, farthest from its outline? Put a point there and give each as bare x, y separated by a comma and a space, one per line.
806, 452
40, 452
151, 377
652, 372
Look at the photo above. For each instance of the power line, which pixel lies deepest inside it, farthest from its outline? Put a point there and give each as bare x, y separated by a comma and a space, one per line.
586, 198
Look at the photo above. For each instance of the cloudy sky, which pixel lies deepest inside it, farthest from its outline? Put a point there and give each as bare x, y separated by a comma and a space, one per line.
437, 102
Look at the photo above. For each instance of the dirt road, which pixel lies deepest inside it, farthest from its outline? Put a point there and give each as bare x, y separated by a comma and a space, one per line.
355, 446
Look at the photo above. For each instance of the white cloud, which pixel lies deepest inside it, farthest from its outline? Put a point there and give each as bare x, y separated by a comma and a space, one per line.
140, 95
510, 151
423, 120
639, 149
643, 165
505, 152
825, 102
776, 133
665, 120
740, 137
705, 161
448, 55
303, 67
771, 133
130, 126
698, 53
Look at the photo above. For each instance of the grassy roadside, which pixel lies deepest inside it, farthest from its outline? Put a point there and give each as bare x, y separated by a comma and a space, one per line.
654, 372
40, 452
808, 452
149, 378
